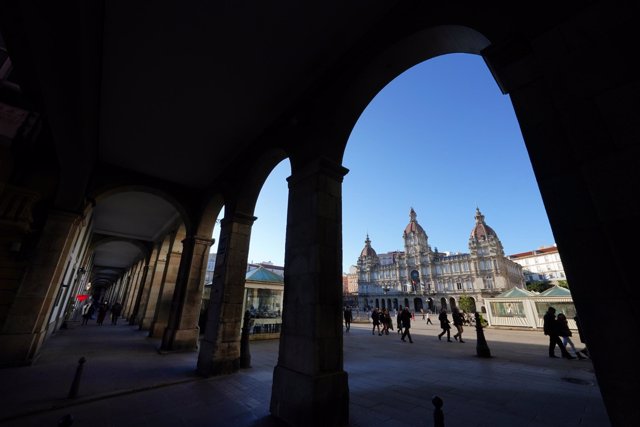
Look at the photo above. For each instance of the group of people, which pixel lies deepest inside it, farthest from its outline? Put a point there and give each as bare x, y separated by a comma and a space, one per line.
102, 308
445, 324
383, 322
556, 328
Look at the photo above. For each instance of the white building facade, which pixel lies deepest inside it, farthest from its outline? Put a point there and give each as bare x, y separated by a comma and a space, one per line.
422, 278
542, 264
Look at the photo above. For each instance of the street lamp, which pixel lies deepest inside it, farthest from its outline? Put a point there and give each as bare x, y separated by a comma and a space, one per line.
385, 289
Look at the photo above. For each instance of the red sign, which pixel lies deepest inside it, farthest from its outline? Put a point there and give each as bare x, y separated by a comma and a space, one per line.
82, 297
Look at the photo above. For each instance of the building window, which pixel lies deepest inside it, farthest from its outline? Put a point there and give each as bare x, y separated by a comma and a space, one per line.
459, 286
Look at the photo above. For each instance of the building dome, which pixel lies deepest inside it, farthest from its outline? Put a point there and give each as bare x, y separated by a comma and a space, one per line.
482, 231
368, 251
413, 226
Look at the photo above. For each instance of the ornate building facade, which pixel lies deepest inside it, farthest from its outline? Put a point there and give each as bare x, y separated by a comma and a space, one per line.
422, 278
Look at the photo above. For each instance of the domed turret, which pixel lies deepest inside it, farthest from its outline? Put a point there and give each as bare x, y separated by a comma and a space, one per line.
415, 238
368, 251
482, 231
413, 226
483, 239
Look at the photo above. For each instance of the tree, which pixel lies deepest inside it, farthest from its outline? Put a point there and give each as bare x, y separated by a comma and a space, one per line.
538, 285
467, 304
563, 284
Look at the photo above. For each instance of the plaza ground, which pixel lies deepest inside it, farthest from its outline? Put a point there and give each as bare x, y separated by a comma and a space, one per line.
126, 382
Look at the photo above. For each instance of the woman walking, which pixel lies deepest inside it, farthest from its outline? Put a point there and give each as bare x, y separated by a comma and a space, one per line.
565, 333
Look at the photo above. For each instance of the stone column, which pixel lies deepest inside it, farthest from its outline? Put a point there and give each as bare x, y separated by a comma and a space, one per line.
135, 309
220, 348
182, 331
132, 291
147, 315
580, 126
165, 296
310, 386
25, 327
151, 291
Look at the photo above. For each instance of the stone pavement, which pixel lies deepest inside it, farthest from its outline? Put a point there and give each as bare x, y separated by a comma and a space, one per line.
126, 382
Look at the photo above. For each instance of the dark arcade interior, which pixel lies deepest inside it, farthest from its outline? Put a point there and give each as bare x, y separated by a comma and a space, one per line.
126, 127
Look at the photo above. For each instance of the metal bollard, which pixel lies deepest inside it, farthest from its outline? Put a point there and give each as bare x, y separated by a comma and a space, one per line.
438, 415
75, 385
482, 349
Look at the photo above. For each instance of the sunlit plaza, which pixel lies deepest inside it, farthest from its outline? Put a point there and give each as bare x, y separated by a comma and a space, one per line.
124, 382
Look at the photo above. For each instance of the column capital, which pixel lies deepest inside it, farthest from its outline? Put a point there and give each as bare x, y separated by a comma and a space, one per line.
320, 165
198, 240
239, 217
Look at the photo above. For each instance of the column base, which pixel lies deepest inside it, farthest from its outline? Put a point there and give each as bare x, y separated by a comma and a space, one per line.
218, 367
19, 349
299, 399
157, 330
180, 339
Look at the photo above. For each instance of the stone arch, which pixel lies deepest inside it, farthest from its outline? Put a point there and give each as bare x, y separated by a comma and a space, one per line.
362, 81
249, 179
431, 305
179, 205
452, 303
473, 300
443, 303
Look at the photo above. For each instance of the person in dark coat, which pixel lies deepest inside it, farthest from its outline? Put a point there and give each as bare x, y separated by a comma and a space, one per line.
405, 317
116, 309
552, 329
399, 320
102, 312
375, 317
348, 317
445, 325
458, 321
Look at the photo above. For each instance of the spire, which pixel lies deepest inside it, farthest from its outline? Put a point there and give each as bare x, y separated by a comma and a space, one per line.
479, 217
412, 215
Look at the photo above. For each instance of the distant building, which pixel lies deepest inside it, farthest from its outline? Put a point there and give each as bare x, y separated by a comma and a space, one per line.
422, 278
543, 264
350, 281
268, 265
211, 265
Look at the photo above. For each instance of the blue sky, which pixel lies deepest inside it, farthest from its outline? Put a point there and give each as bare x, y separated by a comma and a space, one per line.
440, 138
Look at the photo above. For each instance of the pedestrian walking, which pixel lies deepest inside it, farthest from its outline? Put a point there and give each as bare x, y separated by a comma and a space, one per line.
399, 319
375, 317
86, 313
458, 320
551, 328
445, 325
405, 316
348, 317
429, 322
565, 333
116, 309
102, 312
